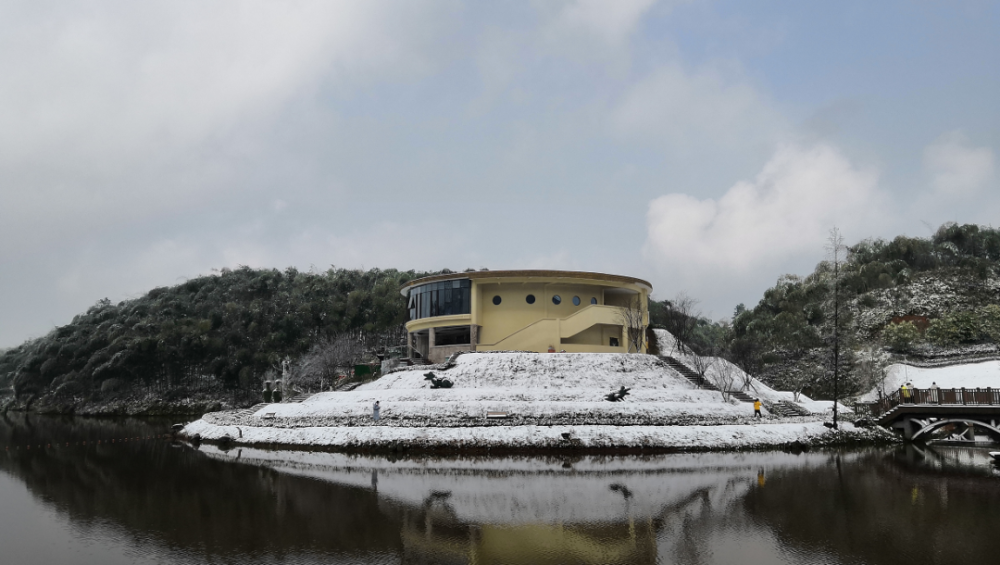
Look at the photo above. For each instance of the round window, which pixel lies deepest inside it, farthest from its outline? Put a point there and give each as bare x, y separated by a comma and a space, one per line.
576, 301
593, 301
496, 300
556, 299
530, 298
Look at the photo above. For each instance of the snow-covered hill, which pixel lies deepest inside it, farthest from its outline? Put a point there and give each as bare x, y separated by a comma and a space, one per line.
547, 400
531, 388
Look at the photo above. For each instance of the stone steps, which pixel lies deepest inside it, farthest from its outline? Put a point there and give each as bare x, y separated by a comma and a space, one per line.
794, 408
741, 396
688, 373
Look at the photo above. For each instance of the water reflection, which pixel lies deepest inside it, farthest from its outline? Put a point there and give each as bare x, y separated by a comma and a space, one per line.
146, 501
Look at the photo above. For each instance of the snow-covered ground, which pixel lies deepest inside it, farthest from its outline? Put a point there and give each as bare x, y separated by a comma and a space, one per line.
546, 397
726, 376
723, 437
968, 375
532, 388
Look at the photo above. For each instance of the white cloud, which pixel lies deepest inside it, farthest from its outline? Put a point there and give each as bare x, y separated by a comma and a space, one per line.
610, 22
782, 215
118, 110
956, 167
688, 111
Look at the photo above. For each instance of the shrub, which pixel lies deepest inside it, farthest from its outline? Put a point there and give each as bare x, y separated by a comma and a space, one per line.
901, 336
989, 319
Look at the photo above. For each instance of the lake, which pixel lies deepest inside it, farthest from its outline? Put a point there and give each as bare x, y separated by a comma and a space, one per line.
98, 491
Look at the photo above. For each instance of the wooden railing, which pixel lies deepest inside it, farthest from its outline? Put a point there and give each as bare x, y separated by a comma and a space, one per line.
930, 396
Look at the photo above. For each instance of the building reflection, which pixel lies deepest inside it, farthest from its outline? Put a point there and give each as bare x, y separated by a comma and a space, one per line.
913, 504
433, 535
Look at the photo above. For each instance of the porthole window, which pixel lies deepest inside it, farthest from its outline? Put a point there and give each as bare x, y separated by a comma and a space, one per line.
556, 299
530, 298
496, 300
593, 301
576, 301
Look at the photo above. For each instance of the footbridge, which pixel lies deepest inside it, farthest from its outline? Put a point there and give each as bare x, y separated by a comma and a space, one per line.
959, 412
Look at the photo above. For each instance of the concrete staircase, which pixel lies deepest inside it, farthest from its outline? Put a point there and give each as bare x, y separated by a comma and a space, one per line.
697, 380
741, 396
688, 373
792, 409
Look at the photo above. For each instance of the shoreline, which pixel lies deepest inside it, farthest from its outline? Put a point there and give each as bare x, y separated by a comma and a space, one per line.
799, 436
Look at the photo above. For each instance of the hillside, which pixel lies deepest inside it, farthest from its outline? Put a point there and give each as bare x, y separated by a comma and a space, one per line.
909, 298
203, 343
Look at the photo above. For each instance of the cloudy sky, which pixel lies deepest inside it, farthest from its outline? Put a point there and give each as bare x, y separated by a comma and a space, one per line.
707, 146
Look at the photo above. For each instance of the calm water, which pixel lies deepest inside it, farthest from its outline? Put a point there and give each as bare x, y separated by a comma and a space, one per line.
146, 501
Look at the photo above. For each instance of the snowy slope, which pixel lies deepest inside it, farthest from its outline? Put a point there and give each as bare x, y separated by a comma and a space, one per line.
718, 366
533, 388
969, 375
547, 398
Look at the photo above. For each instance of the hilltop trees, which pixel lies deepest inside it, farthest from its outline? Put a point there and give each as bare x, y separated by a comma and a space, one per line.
849, 302
221, 331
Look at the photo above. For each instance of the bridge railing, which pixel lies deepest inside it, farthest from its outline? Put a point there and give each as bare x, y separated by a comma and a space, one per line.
930, 396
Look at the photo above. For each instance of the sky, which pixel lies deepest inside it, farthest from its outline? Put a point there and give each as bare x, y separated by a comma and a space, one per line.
706, 146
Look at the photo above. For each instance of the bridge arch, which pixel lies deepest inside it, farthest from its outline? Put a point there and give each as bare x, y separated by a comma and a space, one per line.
931, 426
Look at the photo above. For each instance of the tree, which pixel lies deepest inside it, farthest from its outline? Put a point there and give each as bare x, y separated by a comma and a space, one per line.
701, 364
871, 368
633, 318
836, 250
325, 359
726, 375
680, 317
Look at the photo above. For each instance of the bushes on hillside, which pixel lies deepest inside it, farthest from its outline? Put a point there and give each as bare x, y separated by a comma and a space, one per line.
901, 337
965, 327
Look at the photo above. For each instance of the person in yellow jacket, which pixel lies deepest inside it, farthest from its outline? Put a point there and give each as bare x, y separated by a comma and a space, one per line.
756, 408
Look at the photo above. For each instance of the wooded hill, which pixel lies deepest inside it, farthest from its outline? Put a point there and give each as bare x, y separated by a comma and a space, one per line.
211, 337
215, 337
921, 297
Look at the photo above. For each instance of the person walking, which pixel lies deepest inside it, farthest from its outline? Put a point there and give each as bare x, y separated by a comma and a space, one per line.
375, 410
756, 408
904, 394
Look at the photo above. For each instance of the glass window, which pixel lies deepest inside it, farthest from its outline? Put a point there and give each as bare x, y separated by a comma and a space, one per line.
496, 300
556, 299
443, 298
593, 301
576, 301
530, 298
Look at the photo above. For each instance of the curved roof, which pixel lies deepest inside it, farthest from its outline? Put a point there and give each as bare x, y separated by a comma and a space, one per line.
530, 273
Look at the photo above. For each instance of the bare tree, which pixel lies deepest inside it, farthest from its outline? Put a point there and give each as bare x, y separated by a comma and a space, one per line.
835, 248
726, 375
633, 318
871, 368
701, 365
320, 366
803, 376
681, 320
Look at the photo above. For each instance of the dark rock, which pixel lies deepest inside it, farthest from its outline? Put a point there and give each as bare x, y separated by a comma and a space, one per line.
436, 382
618, 396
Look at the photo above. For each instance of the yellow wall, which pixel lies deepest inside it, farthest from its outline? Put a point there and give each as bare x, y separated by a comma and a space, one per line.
516, 325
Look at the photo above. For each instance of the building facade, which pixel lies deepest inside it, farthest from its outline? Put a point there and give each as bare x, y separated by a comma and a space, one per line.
571, 311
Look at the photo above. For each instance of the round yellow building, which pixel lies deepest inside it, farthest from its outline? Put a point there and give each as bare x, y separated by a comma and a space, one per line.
567, 311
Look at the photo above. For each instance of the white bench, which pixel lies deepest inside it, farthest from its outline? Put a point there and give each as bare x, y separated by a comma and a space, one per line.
492, 414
